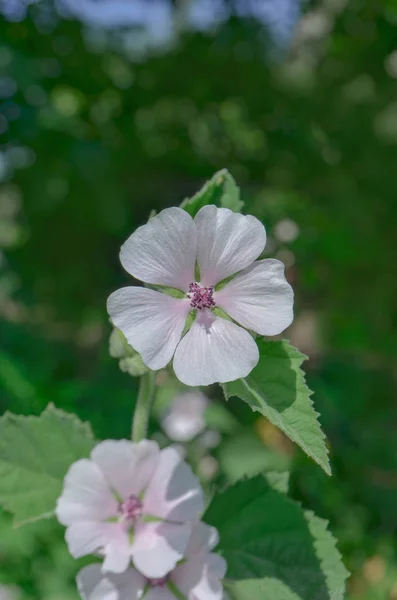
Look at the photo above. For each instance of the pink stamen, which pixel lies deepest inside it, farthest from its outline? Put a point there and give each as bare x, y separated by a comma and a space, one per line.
130, 510
201, 297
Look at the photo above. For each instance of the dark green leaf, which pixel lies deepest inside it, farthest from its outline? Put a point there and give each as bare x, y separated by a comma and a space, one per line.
277, 389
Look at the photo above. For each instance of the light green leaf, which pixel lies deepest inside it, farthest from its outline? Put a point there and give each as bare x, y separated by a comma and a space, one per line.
277, 389
220, 190
245, 455
35, 453
266, 536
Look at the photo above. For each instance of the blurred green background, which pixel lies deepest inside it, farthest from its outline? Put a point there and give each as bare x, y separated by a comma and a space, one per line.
101, 124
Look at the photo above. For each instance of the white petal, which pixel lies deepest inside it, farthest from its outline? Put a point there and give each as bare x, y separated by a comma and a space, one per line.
86, 495
87, 537
157, 547
152, 322
227, 242
259, 298
164, 250
93, 584
127, 467
214, 350
217, 566
174, 493
199, 578
203, 539
117, 553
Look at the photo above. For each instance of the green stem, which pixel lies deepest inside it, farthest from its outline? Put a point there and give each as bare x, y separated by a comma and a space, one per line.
143, 405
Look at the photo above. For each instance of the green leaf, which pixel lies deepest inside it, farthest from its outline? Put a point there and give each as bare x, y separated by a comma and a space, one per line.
265, 536
245, 455
220, 190
277, 389
35, 453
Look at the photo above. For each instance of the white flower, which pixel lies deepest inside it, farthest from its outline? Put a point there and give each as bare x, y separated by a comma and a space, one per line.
130, 501
9, 592
185, 418
165, 252
198, 577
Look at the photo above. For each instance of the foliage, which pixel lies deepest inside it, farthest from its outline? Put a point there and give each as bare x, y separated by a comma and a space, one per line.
35, 454
277, 389
96, 139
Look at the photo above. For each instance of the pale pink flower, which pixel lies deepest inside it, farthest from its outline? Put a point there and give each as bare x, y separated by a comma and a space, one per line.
185, 418
222, 243
198, 577
130, 501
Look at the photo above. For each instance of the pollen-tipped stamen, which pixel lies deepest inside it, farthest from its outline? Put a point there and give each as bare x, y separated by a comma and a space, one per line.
201, 297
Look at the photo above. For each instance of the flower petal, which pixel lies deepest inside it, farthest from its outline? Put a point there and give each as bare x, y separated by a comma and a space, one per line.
87, 537
152, 322
227, 242
203, 539
174, 493
117, 553
214, 350
157, 547
259, 298
86, 495
199, 578
127, 467
93, 584
164, 250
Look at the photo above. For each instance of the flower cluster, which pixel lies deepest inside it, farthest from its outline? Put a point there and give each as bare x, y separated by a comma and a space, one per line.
138, 508
212, 261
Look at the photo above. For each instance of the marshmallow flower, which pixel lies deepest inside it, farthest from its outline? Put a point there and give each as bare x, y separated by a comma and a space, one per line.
130, 501
196, 578
221, 243
185, 419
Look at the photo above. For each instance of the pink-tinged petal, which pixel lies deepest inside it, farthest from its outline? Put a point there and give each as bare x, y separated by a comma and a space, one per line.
199, 578
160, 593
93, 584
227, 243
174, 492
164, 250
86, 495
214, 350
203, 539
127, 466
117, 553
88, 537
152, 322
158, 546
259, 298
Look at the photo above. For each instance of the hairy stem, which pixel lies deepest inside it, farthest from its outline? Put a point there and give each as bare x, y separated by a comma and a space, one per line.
143, 406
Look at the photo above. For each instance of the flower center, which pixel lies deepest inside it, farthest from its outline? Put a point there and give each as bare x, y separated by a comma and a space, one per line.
130, 510
158, 582
200, 297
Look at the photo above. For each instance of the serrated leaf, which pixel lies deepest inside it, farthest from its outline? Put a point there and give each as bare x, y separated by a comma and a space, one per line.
277, 389
35, 453
220, 190
266, 536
